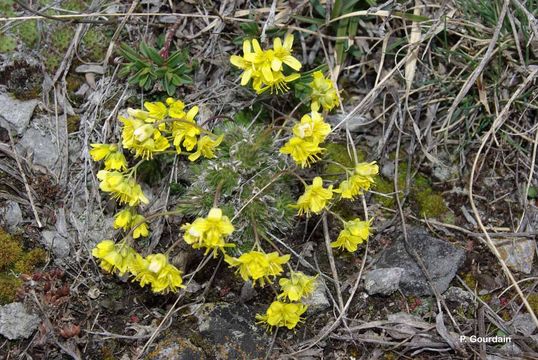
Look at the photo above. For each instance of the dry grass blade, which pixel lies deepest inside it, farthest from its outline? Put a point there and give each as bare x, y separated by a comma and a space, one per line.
489, 242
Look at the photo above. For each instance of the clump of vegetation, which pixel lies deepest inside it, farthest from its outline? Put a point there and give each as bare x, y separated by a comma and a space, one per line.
428, 202
14, 261
243, 193
147, 67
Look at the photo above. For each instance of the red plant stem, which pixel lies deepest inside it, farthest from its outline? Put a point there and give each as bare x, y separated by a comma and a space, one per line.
165, 51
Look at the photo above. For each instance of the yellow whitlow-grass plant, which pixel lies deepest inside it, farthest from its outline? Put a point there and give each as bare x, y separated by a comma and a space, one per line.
170, 127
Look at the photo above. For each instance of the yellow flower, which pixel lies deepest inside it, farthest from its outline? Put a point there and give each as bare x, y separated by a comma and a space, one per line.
114, 256
312, 128
209, 232
282, 54
283, 314
297, 286
139, 114
157, 110
257, 265
186, 130
175, 108
156, 271
352, 187
142, 228
261, 60
303, 152
125, 190
323, 92
315, 198
353, 234
101, 151
205, 147
279, 84
123, 219
141, 138
116, 161
367, 169
245, 65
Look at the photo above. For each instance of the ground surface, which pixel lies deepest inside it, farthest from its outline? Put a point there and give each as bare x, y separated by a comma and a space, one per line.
442, 94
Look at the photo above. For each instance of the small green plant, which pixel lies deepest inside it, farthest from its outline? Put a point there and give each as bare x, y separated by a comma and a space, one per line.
148, 67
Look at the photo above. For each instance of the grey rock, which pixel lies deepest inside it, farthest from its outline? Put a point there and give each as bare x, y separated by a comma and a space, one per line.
56, 243
383, 281
458, 295
523, 323
441, 259
90, 68
517, 253
40, 147
16, 322
16, 114
387, 170
317, 301
11, 214
177, 349
231, 332
247, 292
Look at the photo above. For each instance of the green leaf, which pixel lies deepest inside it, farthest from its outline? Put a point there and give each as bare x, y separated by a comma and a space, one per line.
250, 29
175, 59
412, 17
155, 56
129, 53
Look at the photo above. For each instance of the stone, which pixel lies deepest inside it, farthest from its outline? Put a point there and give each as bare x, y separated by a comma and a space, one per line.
15, 114
383, 281
16, 322
517, 253
56, 243
459, 296
11, 214
40, 147
441, 259
90, 68
524, 324
177, 349
230, 331
317, 301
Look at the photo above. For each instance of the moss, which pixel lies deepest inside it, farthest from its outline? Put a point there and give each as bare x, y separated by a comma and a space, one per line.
95, 43
61, 38
29, 261
428, 202
14, 260
74, 5
73, 123
533, 302
470, 280
10, 249
7, 43
28, 32
52, 61
9, 284
338, 153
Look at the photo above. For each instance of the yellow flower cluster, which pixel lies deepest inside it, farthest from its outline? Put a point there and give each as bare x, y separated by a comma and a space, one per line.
258, 266
282, 314
323, 93
265, 67
297, 286
303, 147
114, 158
123, 188
128, 219
209, 232
315, 198
154, 269
149, 132
353, 234
361, 180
